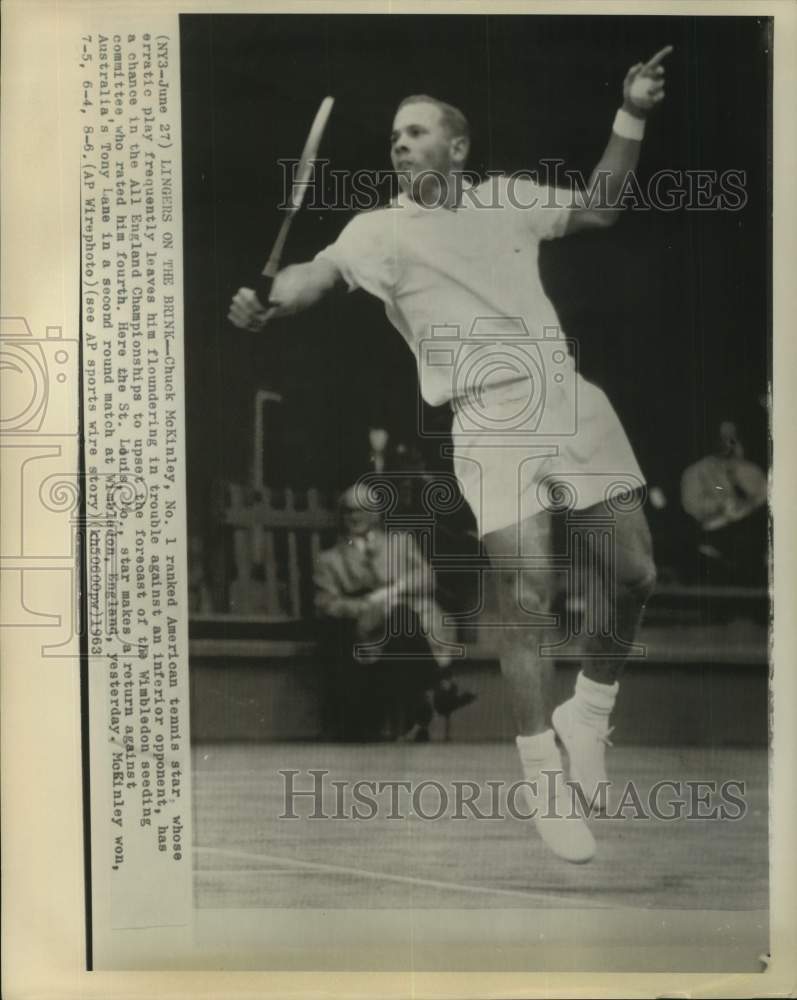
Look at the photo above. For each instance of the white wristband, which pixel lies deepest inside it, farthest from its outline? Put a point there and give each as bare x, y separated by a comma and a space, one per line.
628, 126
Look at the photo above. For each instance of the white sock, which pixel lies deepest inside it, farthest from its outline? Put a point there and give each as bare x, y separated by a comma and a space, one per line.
594, 701
536, 752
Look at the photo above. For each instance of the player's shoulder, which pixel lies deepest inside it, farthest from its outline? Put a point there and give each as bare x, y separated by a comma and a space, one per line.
494, 182
370, 222
375, 215
520, 189
526, 181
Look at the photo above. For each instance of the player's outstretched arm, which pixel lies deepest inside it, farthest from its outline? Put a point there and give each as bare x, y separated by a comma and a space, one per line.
643, 90
295, 288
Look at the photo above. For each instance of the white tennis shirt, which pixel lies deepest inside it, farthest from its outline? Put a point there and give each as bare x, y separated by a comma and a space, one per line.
461, 286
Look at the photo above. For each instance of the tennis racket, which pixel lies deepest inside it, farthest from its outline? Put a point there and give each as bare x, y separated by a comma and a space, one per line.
304, 171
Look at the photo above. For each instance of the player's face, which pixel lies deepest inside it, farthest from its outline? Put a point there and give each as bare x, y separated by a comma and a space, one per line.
419, 142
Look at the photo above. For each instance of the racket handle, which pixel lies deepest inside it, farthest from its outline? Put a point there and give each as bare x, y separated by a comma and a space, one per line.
263, 289
266, 279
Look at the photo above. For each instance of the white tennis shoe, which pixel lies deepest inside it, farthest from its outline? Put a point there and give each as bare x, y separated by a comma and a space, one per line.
585, 738
557, 816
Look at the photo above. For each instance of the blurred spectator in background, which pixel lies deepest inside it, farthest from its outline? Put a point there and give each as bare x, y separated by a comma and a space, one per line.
385, 636
727, 495
199, 599
412, 477
667, 519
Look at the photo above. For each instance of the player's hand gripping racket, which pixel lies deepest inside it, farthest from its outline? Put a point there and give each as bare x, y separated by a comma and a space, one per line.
302, 177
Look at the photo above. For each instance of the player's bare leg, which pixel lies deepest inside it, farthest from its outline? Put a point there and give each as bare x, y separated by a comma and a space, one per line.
582, 722
524, 602
524, 598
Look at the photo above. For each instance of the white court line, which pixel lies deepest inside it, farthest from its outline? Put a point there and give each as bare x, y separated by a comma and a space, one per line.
428, 883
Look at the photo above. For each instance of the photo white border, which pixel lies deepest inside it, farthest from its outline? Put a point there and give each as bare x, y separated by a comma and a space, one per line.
43, 904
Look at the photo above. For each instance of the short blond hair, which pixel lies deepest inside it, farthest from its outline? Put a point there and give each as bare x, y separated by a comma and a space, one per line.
453, 119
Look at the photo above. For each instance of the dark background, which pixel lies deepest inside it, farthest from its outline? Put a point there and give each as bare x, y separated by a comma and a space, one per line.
671, 310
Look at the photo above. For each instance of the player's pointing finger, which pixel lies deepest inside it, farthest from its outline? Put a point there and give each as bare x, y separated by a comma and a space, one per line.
660, 55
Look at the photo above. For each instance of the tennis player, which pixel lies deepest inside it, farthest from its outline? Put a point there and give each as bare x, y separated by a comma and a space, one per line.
457, 270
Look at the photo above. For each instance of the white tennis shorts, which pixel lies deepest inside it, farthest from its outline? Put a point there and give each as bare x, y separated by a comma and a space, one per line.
515, 456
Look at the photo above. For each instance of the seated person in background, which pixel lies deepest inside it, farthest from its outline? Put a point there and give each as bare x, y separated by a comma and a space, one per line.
375, 590
720, 491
